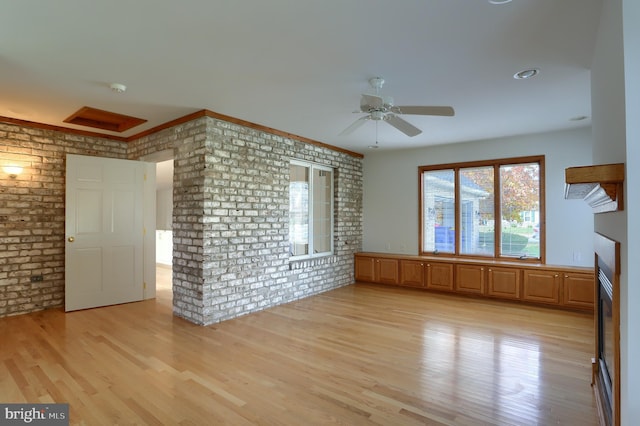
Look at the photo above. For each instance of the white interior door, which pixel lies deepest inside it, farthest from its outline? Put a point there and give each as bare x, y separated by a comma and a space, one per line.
104, 248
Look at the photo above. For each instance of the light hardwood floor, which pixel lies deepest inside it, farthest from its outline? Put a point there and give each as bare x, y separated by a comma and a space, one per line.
363, 354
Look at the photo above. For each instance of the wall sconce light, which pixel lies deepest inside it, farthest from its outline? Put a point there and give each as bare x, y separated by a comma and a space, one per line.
12, 171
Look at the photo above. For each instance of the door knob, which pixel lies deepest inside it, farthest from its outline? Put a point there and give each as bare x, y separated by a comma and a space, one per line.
71, 239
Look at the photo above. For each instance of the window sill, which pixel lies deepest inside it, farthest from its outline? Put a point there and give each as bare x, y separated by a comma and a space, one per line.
309, 262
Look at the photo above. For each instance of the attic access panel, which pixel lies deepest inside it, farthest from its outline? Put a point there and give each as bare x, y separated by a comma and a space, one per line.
105, 120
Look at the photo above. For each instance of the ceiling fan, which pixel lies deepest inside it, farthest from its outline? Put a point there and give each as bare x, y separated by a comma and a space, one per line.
381, 108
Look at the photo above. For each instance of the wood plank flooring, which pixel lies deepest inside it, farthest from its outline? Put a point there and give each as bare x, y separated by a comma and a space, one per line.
359, 355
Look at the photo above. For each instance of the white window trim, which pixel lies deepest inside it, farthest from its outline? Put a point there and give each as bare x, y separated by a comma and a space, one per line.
315, 166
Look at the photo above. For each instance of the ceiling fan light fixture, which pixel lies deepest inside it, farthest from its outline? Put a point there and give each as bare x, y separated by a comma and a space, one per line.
526, 74
499, 1
377, 115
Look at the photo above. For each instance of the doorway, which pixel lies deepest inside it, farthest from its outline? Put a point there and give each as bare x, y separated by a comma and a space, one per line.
164, 231
164, 224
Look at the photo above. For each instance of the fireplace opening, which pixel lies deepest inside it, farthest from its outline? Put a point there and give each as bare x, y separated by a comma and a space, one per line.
606, 366
606, 339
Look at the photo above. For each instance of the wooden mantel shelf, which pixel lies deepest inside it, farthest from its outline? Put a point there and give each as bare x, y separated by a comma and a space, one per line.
600, 186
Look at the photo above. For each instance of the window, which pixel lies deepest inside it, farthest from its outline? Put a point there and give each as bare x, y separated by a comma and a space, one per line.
310, 210
485, 209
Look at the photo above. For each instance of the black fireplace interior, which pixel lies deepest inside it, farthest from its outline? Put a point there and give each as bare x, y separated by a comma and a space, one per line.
605, 337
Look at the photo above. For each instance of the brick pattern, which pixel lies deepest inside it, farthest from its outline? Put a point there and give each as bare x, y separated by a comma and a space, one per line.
32, 213
230, 221
247, 222
230, 217
188, 142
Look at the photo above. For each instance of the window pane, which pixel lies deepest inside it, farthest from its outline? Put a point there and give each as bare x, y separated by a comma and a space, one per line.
299, 210
520, 209
322, 183
438, 209
477, 211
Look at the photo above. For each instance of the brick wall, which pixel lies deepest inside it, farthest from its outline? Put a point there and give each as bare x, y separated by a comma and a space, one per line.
32, 213
230, 217
188, 142
230, 220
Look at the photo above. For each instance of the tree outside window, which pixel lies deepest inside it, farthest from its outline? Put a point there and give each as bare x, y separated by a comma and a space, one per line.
459, 208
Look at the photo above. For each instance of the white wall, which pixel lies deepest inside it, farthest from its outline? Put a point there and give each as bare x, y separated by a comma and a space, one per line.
164, 208
631, 303
616, 109
164, 247
390, 212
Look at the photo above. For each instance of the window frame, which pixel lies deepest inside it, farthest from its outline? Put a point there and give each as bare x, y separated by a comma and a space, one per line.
311, 247
496, 164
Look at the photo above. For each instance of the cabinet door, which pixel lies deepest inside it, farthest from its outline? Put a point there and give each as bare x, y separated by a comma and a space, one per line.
365, 270
440, 276
470, 279
504, 283
542, 286
412, 273
578, 290
387, 271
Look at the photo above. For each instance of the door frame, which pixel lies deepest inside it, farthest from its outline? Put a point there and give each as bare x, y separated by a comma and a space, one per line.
150, 237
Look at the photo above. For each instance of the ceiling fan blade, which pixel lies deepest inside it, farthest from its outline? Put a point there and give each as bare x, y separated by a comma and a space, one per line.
353, 126
371, 102
425, 110
402, 125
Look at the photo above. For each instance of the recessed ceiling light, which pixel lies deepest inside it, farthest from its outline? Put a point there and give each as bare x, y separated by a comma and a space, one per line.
578, 118
499, 1
525, 74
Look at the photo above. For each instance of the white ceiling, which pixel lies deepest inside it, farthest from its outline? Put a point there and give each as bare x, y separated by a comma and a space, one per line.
300, 66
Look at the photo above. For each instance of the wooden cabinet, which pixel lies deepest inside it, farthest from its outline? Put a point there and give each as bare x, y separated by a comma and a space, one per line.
412, 273
365, 268
503, 282
439, 276
570, 287
387, 271
431, 275
470, 279
541, 286
376, 270
578, 290
574, 290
